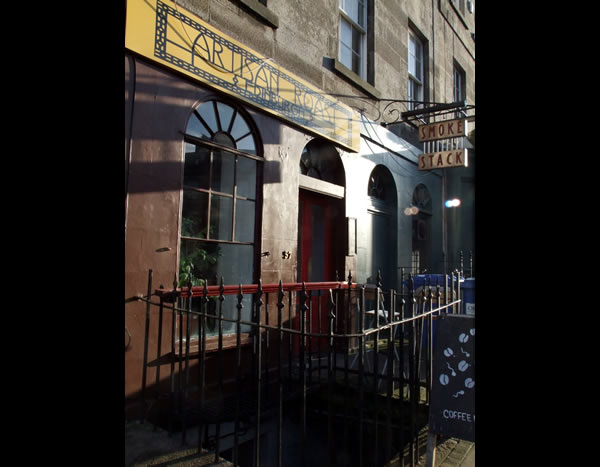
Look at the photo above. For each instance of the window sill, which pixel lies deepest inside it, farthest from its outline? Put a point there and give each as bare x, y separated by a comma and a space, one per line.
262, 12
212, 345
354, 79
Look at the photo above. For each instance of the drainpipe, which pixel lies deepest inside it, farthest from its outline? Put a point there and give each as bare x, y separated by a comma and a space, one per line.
132, 77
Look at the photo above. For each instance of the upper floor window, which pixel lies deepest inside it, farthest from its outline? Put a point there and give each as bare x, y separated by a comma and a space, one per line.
353, 36
459, 84
415, 71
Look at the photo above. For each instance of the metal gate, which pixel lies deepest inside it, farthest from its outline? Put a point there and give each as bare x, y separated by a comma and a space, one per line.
325, 373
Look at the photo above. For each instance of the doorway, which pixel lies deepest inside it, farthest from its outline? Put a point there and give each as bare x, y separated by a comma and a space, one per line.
321, 236
320, 251
319, 243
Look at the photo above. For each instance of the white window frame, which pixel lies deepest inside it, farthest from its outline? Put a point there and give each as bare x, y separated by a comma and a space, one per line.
345, 18
458, 83
416, 81
459, 86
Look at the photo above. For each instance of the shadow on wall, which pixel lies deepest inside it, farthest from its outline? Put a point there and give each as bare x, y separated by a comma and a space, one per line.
154, 177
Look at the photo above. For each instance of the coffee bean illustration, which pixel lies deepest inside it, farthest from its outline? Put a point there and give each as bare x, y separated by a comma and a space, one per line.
444, 379
463, 338
448, 352
462, 366
472, 331
469, 383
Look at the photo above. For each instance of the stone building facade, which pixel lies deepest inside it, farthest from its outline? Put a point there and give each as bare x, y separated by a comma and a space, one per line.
301, 186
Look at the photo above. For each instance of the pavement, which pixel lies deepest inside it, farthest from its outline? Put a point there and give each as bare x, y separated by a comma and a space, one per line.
149, 446
453, 452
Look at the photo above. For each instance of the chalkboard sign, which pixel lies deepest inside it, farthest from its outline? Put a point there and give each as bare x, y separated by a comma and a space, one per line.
452, 408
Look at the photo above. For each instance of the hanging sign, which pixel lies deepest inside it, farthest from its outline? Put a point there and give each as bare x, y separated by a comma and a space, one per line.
452, 408
443, 159
167, 34
443, 130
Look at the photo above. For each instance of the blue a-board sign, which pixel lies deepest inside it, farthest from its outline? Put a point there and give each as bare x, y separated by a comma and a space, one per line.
452, 408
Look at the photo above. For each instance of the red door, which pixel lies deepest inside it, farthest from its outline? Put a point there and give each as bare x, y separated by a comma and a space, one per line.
320, 249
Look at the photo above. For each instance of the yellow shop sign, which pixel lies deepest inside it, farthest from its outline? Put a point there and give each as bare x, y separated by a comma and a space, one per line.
166, 33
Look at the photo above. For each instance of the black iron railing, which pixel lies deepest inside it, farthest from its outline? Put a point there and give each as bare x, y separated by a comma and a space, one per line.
329, 373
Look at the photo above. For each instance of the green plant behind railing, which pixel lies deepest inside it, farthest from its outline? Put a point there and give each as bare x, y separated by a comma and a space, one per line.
194, 266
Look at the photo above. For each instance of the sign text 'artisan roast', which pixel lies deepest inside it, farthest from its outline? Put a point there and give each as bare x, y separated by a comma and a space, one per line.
166, 33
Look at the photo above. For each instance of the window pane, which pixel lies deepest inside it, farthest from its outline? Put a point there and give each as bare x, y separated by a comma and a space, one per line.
225, 114
240, 128
224, 139
247, 144
197, 164
194, 209
221, 211
207, 112
196, 128
352, 9
346, 56
415, 57
246, 177
244, 220
361, 14
222, 172
356, 38
235, 263
199, 259
210, 262
356, 49
356, 64
345, 43
355, 9
345, 32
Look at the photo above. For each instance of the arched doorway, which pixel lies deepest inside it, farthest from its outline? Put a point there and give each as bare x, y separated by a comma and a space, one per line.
382, 225
321, 217
321, 213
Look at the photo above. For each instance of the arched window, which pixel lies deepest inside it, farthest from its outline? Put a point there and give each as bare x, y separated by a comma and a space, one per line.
219, 206
321, 160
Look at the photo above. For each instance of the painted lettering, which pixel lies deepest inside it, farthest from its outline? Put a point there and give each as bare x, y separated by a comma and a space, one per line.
458, 158
200, 44
217, 51
450, 128
440, 160
251, 77
441, 128
246, 71
422, 132
456, 415
262, 79
422, 161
